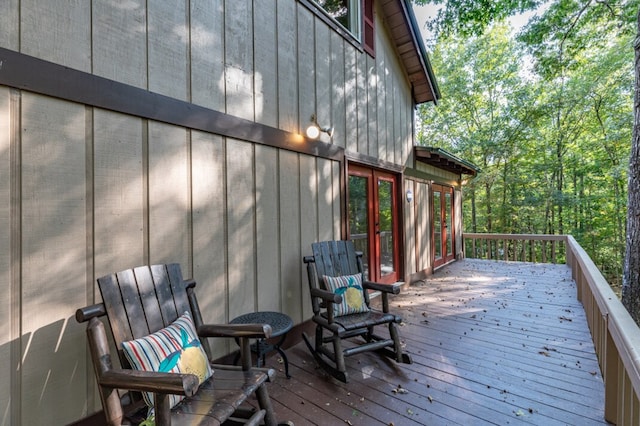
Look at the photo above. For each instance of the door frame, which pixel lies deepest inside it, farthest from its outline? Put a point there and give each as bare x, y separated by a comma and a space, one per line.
374, 249
445, 257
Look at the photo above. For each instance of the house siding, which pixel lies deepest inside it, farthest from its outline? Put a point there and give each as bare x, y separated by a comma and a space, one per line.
87, 191
418, 218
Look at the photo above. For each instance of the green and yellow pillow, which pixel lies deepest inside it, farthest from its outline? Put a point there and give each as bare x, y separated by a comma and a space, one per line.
350, 288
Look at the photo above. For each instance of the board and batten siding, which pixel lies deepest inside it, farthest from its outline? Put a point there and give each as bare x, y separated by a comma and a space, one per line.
418, 218
107, 191
88, 191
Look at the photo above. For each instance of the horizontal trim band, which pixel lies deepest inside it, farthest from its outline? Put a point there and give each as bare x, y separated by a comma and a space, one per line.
31, 74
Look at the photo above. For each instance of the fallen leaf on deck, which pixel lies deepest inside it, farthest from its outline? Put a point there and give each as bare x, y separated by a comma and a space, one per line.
399, 390
544, 353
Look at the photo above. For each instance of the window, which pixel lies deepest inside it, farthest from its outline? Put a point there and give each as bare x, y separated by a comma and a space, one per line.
346, 12
356, 16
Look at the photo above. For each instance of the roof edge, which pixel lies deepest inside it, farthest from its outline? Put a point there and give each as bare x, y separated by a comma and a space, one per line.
445, 160
420, 47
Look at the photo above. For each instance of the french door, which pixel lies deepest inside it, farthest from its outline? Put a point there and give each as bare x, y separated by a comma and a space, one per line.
373, 221
442, 202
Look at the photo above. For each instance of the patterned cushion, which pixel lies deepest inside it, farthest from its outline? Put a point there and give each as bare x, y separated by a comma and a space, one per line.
174, 349
350, 288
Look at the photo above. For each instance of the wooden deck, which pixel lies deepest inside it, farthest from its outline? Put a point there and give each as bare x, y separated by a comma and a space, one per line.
492, 343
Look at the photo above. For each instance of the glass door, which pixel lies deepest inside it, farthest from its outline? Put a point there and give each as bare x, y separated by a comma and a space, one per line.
442, 202
373, 221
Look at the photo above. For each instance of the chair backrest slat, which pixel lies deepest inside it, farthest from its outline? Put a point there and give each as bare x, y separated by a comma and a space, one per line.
164, 294
143, 283
178, 289
322, 256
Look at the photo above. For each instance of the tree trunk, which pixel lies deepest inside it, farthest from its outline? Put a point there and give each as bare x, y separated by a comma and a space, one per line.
631, 274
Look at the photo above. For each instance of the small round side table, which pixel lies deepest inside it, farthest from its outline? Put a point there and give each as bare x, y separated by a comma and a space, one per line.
280, 325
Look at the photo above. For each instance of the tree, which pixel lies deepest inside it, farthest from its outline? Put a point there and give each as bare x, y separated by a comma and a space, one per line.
631, 274
583, 117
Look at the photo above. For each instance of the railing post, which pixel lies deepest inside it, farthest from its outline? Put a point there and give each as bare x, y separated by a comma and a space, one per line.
611, 364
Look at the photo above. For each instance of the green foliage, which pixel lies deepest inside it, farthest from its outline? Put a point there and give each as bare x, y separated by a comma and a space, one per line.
546, 114
466, 17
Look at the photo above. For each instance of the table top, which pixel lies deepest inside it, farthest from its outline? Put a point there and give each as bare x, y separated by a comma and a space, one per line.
280, 323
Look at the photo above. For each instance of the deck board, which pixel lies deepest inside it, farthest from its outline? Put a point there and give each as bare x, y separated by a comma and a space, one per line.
492, 343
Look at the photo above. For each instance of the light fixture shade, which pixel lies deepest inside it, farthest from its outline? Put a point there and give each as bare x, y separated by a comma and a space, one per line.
313, 131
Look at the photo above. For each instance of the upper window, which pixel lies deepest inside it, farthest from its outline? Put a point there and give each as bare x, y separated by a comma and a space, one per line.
346, 12
356, 16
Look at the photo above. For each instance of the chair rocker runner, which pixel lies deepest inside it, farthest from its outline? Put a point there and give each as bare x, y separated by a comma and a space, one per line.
155, 313
341, 308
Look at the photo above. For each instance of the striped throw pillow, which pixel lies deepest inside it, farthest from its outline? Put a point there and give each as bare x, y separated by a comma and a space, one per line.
350, 288
174, 349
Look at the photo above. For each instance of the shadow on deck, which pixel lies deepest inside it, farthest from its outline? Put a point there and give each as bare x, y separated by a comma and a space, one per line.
492, 343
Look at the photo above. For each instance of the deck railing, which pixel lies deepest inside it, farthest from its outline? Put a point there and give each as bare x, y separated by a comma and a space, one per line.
616, 336
516, 247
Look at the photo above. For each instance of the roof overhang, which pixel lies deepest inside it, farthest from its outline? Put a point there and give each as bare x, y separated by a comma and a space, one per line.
438, 157
405, 34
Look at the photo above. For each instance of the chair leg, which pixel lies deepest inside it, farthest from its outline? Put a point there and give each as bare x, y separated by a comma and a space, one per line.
265, 404
393, 331
319, 338
397, 353
337, 351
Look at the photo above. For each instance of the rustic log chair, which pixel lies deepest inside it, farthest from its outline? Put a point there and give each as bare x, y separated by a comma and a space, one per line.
334, 259
141, 301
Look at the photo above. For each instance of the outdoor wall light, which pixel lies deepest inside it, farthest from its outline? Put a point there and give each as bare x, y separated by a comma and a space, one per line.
314, 129
409, 196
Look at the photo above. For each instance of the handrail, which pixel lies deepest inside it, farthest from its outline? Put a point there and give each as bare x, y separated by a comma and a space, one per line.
615, 334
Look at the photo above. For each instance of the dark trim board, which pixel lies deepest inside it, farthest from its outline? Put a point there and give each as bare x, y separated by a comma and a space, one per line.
31, 74
365, 160
428, 178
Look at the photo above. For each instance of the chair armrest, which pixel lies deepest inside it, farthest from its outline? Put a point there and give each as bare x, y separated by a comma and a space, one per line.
150, 381
88, 312
251, 331
327, 296
384, 288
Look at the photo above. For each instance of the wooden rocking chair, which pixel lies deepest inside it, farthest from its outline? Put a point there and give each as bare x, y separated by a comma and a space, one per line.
339, 259
146, 300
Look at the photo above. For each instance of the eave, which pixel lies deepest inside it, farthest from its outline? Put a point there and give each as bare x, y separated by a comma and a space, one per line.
406, 36
444, 160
